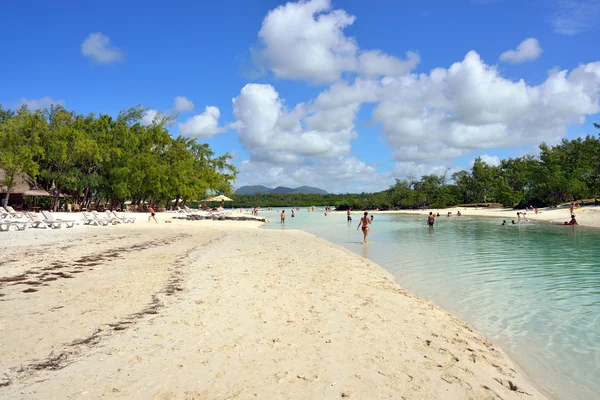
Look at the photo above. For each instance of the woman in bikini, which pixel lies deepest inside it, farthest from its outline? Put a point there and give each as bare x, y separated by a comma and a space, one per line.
365, 221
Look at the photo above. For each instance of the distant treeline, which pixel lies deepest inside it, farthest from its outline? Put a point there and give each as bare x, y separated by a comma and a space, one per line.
96, 158
567, 171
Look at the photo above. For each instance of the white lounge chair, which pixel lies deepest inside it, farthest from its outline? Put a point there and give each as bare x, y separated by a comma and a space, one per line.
15, 214
68, 222
88, 219
37, 222
6, 224
111, 220
113, 214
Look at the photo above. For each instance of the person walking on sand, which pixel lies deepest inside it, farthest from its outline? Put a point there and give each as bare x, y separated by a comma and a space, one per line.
152, 214
431, 220
365, 221
283, 216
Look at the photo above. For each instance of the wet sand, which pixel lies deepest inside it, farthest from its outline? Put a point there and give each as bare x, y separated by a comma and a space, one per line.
220, 309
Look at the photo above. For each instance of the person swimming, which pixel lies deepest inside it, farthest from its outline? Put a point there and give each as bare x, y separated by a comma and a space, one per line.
504, 223
365, 221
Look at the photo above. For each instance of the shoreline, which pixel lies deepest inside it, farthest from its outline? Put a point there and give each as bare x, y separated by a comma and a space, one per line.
588, 216
291, 314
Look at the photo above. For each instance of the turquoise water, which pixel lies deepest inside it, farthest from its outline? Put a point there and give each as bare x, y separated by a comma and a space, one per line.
534, 289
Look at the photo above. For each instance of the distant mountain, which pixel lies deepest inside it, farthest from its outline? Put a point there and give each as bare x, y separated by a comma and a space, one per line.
256, 189
282, 189
309, 189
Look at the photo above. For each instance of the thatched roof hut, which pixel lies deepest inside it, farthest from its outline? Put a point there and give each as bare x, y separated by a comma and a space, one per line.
24, 186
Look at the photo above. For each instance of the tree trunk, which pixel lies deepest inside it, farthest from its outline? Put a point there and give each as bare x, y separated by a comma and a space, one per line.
5, 201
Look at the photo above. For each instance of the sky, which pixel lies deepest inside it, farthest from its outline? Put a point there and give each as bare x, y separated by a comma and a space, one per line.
343, 95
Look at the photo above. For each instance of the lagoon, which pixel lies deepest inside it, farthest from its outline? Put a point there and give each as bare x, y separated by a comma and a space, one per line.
532, 288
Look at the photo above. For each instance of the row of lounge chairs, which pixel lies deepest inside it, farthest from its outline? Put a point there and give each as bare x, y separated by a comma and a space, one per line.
22, 220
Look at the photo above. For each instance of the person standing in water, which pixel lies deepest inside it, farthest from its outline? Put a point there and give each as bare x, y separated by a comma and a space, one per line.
283, 216
365, 221
431, 220
349, 216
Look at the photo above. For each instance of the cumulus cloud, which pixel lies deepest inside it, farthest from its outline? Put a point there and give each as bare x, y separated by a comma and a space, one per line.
528, 50
38, 104
271, 132
99, 48
452, 112
148, 118
202, 125
305, 40
182, 104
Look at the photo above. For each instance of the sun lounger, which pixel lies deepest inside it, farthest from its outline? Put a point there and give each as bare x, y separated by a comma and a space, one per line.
6, 224
113, 214
111, 220
14, 213
37, 222
68, 222
88, 219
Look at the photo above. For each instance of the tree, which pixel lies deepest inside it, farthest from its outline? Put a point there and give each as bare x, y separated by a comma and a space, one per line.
19, 145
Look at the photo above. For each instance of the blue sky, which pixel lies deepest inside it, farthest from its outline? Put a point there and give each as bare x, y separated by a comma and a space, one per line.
333, 99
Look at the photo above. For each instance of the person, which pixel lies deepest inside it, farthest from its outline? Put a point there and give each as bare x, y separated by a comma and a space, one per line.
573, 221
348, 214
449, 214
438, 214
293, 213
513, 222
365, 221
596, 202
283, 216
152, 214
430, 220
458, 214
519, 216
504, 223
372, 217
572, 207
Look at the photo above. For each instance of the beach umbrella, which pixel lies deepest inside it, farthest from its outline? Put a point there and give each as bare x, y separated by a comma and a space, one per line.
218, 198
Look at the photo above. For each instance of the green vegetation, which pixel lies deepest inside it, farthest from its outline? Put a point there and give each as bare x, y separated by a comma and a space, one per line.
101, 160
567, 171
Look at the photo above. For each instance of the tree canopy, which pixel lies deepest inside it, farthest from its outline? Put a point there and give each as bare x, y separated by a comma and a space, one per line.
96, 158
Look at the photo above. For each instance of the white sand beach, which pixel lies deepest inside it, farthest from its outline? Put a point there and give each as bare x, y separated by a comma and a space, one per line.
223, 310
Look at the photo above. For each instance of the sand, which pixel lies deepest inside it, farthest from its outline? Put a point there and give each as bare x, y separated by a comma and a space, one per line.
223, 310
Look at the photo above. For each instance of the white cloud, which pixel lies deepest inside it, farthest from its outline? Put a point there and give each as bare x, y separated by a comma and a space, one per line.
336, 175
305, 40
148, 118
271, 132
427, 119
528, 50
574, 16
452, 112
202, 125
37, 104
182, 104
489, 160
99, 48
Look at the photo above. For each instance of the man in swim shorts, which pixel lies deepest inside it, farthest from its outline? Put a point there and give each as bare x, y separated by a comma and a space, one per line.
430, 220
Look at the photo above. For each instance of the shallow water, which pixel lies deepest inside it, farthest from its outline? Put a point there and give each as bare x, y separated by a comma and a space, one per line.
532, 288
